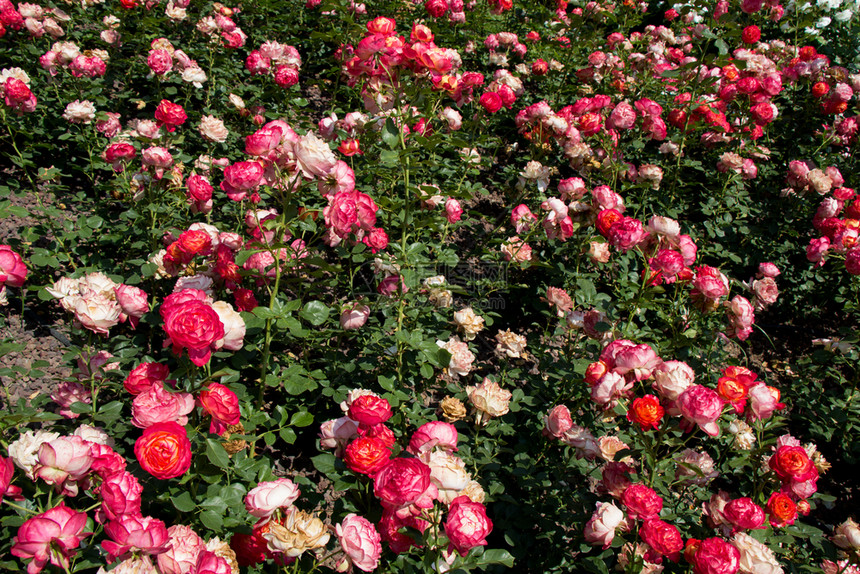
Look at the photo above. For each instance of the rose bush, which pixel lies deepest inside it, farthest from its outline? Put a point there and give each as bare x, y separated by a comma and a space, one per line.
547, 258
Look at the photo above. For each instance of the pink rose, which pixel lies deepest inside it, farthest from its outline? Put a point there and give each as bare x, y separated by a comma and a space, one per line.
133, 302
354, 316
435, 434
766, 292
313, 156
240, 178
360, 541
209, 562
626, 233
622, 117
816, 250
404, 482
69, 393
710, 283
185, 548
156, 405
741, 317
610, 387
13, 272
557, 421
337, 433
134, 533
701, 406
762, 401
264, 140
120, 493
637, 362
453, 211
744, 514
63, 462
159, 61
50, 536
672, 378
600, 528
715, 556
268, 497
467, 525
522, 218
199, 193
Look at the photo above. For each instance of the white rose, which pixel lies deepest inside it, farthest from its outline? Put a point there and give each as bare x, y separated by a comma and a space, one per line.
234, 326
24, 452
448, 473
80, 112
313, 155
756, 558
469, 322
213, 129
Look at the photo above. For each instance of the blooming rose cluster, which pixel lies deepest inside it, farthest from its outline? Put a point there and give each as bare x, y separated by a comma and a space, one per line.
406, 486
99, 303
86, 460
219, 24
381, 53
15, 91
164, 58
281, 61
68, 56
837, 218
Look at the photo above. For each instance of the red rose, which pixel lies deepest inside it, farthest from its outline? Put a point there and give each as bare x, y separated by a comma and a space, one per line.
222, 404
370, 410
144, 375
782, 510
164, 450
646, 412
250, 549
751, 34
170, 115
491, 102
792, 462
366, 455
194, 325
606, 219
641, 502
663, 538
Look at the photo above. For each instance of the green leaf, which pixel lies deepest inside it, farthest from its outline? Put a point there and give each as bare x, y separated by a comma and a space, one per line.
288, 435
390, 134
315, 313
212, 520
301, 419
216, 453
183, 502
496, 556
324, 462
